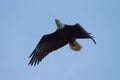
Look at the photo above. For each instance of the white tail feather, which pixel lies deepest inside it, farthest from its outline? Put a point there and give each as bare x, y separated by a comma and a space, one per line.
76, 47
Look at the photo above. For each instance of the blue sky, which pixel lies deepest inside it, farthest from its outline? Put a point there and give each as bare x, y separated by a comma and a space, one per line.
23, 22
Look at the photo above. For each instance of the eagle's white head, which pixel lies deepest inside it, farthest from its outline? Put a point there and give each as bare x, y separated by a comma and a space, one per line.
59, 24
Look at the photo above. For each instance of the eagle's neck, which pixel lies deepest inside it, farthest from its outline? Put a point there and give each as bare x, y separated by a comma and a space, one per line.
59, 24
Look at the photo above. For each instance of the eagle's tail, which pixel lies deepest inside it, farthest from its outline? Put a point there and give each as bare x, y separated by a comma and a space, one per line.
76, 46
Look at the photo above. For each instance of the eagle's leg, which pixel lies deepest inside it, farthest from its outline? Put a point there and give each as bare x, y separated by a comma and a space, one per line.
75, 46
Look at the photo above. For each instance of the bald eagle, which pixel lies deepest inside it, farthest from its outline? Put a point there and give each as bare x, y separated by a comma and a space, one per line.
65, 34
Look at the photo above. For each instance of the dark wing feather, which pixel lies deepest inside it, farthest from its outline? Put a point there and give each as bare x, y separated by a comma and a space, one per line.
47, 44
80, 32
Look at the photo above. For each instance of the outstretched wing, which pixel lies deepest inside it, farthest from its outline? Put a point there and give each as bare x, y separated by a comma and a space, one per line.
47, 44
80, 32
